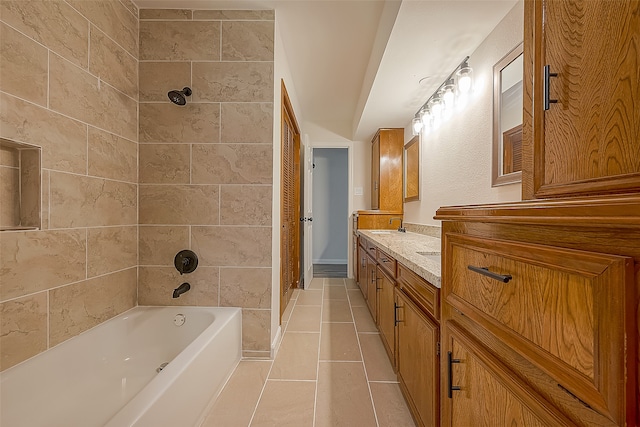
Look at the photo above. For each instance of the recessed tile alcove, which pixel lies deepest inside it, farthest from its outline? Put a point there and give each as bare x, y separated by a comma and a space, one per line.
19, 186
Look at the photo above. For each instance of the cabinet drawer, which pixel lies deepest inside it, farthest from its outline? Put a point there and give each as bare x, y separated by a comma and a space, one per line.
558, 307
386, 262
370, 248
423, 293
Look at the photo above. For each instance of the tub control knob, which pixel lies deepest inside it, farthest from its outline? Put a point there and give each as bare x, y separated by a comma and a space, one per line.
179, 319
185, 261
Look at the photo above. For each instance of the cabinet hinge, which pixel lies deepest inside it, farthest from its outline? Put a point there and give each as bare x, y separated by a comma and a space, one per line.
438, 349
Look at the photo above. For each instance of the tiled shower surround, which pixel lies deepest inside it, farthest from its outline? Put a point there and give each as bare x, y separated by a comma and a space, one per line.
129, 179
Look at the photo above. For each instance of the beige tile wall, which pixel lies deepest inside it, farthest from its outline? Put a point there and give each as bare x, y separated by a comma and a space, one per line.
69, 84
206, 168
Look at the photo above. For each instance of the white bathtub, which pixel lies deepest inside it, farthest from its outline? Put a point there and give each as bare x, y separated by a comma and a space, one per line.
107, 375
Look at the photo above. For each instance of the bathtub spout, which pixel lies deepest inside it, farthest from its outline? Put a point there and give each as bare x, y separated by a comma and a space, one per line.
181, 290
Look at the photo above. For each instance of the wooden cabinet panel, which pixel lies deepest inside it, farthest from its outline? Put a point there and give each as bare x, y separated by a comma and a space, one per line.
558, 308
589, 141
386, 170
354, 257
375, 172
372, 291
377, 220
484, 392
418, 361
386, 313
362, 273
387, 262
422, 292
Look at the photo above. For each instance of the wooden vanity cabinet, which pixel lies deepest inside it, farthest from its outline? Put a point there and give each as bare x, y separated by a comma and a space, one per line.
588, 141
386, 283
418, 351
418, 360
362, 268
551, 291
386, 170
372, 291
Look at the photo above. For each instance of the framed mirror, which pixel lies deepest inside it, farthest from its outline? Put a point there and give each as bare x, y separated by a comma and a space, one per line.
412, 170
507, 119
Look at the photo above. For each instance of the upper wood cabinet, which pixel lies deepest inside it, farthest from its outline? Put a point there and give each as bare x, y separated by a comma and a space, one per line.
588, 140
386, 170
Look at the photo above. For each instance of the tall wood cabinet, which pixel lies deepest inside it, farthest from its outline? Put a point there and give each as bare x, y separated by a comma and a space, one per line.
386, 170
540, 300
588, 141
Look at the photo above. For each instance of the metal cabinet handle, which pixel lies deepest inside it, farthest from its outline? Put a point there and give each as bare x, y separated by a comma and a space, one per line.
504, 278
395, 314
385, 260
452, 387
546, 87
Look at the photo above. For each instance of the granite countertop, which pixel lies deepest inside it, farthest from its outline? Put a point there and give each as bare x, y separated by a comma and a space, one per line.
418, 252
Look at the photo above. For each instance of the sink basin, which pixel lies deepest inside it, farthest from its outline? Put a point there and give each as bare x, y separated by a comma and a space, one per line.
380, 232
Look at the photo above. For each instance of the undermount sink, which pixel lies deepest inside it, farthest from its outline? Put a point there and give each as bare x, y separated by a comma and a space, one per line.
380, 232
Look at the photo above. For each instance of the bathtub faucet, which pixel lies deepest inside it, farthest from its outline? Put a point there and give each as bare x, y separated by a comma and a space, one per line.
181, 290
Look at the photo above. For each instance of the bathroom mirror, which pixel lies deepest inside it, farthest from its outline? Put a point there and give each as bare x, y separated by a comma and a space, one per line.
507, 119
412, 170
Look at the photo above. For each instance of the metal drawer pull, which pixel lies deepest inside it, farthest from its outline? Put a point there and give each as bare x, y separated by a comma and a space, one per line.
395, 314
546, 87
452, 387
504, 278
385, 260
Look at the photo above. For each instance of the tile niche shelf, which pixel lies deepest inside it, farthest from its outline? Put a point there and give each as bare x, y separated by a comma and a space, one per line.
19, 186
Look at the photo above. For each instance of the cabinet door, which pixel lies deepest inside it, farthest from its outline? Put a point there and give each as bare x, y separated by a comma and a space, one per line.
372, 297
386, 313
362, 274
588, 142
418, 367
479, 391
375, 173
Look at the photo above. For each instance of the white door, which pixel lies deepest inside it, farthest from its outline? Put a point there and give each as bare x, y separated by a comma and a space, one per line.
308, 209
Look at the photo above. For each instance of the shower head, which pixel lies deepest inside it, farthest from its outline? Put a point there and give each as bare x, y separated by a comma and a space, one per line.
178, 96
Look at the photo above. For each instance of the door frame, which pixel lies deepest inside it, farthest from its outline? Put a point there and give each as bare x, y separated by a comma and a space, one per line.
349, 212
287, 111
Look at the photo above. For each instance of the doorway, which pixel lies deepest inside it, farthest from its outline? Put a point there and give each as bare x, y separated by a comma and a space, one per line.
330, 194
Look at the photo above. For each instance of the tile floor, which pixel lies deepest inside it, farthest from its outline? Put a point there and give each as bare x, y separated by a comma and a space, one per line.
330, 370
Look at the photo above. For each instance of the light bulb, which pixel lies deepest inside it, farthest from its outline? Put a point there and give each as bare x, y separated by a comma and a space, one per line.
436, 107
449, 94
465, 76
416, 126
425, 117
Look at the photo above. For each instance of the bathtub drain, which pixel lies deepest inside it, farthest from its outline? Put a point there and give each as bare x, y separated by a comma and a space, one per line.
179, 319
161, 367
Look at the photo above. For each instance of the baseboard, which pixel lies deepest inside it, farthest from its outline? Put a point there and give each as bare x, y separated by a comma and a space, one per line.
275, 344
330, 261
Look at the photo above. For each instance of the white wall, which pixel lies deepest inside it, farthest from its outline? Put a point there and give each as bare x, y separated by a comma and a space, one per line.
456, 158
281, 71
330, 205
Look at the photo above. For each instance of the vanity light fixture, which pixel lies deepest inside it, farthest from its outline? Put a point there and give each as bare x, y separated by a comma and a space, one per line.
459, 82
416, 125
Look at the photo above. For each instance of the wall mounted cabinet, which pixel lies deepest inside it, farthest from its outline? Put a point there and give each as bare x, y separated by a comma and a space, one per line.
387, 150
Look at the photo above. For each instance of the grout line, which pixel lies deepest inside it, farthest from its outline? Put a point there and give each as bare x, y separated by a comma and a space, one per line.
315, 401
366, 375
86, 254
68, 117
48, 78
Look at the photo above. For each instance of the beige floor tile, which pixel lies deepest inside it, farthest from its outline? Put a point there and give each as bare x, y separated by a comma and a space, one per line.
376, 360
286, 403
351, 284
304, 318
237, 401
297, 358
335, 310
343, 396
391, 408
335, 292
333, 281
363, 319
316, 283
338, 341
295, 294
310, 297
355, 298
